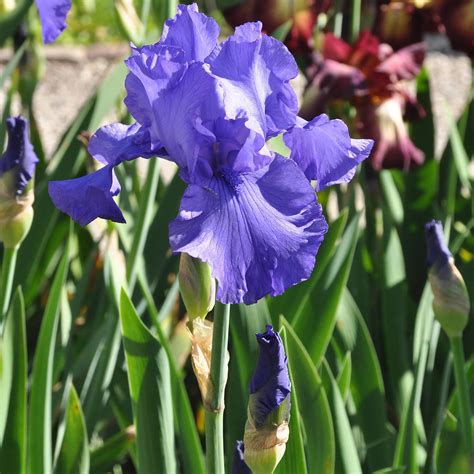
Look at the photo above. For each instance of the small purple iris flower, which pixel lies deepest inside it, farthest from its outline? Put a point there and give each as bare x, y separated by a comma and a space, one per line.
19, 155
53, 15
238, 463
251, 214
270, 385
437, 250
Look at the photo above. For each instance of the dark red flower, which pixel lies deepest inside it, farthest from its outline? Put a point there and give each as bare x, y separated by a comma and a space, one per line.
274, 13
369, 75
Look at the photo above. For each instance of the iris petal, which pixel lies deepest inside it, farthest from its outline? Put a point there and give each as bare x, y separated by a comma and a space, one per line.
325, 152
53, 15
255, 71
88, 197
259, 231
195, 33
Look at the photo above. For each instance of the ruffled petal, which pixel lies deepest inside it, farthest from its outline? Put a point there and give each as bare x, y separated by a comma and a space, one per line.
114, 143
255, 71
88, 197
183, 113
195, 33
152, 68
53, 15
325, 152
259, 231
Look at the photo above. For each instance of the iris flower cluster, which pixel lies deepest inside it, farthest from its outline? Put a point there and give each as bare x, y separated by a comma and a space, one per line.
211, 108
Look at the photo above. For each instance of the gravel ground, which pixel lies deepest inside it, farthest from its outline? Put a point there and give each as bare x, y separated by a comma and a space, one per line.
72, 75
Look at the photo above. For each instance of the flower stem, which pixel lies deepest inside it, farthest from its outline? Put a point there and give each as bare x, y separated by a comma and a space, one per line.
215, 412
8, 270
463, 393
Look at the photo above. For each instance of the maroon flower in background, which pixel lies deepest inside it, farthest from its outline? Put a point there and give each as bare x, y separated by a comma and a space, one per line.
403, 22
274, 13
370, 75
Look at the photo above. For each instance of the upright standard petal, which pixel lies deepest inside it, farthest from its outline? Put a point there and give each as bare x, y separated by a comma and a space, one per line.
19, 154
255, 71
270, 382
152, 68
53, 15
325, 152
88, 197
181, 112
195, 33
259, 231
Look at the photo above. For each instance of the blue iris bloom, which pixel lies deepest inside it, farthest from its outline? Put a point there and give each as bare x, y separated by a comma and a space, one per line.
248, 212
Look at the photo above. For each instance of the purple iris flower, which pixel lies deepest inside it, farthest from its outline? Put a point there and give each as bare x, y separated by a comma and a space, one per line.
437, 250
210, 108
270, 385
91, 196
19, 155
53, 15
238, 463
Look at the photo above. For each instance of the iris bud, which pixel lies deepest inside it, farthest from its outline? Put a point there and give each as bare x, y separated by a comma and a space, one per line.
268, 414
197, 286
451, 303
17, 167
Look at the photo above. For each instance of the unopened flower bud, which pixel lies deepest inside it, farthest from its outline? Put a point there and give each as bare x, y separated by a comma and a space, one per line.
238, 463
197, 286
266, 430
450, 297
17, 167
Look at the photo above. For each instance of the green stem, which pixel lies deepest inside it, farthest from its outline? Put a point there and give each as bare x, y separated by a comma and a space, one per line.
464, 403
142, 224
215, 410
6, 283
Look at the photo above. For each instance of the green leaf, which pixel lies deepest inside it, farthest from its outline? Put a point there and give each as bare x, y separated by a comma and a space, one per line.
10, 21
74, 455
40, 420
344, 376
392, 196
315, 324
294, 458
312, 404
112, 451
367, 389
14, 361
461, 159
12, 64
150, 390
394, 317
294, 301
348, 458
